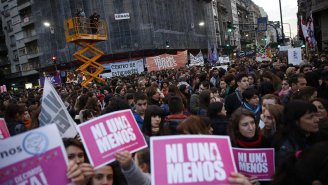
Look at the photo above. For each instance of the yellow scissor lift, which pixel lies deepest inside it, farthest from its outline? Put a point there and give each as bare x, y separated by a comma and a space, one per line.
86, 34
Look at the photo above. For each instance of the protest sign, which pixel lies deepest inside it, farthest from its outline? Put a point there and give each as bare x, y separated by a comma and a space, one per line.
31, 157
255, 162
224, 60
166, 61
191, 160
105, 135
295, 56
285, 48
197, 60
127, 67
52, 79
4, 133
3, 88
53, 110
106, 75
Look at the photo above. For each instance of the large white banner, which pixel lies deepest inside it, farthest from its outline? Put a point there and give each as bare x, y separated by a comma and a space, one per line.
126, 68
54, 111
294, 56
197, 60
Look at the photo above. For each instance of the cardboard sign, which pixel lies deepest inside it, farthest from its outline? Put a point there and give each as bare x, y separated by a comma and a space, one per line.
295, 56
191, 160
166, 61
224, 60
4, 133
54, 111
30, 158
104, 136
255, 162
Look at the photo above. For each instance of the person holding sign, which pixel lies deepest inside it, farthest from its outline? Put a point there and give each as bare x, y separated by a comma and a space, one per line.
130, 169
244, 132
76, 156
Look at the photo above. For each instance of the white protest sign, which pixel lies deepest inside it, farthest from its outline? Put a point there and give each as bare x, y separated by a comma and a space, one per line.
197, 60
54, 111
285, 48
295, 56
224, 60
127, 67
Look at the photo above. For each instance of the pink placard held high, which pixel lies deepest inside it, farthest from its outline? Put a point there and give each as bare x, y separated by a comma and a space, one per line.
104, 136
191, 160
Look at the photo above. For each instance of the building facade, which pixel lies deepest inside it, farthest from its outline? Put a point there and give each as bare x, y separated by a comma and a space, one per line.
153, 25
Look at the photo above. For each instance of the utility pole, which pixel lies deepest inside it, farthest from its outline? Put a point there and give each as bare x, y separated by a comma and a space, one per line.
282, 25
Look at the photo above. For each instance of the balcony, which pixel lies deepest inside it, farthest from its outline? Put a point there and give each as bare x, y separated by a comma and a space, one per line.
14, 75
27, 21
21, 4
30, 38
30, 72
33, 55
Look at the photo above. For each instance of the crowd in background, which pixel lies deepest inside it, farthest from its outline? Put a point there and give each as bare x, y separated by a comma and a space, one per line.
259, 105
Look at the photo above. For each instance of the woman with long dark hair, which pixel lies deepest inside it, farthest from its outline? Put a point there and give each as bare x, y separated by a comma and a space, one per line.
217, 113
300, 128
153, 121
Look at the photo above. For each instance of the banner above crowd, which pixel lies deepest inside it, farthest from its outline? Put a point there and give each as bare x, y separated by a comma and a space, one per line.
197, 60
166, 61
123, 68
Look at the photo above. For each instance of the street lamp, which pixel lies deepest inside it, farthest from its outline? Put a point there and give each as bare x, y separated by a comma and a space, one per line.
202, 23
46, 24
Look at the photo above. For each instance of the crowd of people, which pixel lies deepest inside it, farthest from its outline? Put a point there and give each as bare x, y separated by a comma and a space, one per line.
258, 105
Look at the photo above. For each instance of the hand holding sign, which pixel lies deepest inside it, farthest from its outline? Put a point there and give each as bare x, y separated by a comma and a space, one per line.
75, 174
238, 178
125, 159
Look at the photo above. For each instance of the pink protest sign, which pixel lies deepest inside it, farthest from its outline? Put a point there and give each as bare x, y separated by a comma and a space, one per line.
4, 133
255, 162
191, 160
110, 133
31, 157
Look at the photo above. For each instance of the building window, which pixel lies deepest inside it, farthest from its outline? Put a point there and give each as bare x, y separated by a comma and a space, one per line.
22, 51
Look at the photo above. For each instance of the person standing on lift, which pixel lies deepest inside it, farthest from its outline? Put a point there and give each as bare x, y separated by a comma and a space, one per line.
94, 21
